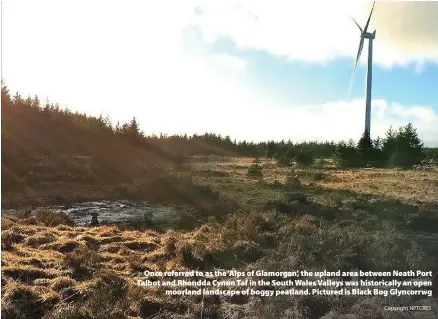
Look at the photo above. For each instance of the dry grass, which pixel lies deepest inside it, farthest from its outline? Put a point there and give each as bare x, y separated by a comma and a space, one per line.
43, 270
63, 271
409, 186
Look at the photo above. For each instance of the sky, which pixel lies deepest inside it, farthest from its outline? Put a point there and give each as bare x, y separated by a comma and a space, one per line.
251, 69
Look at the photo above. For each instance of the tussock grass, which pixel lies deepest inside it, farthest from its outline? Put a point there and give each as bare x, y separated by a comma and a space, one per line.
52, 218
142, 245
60, 283
308, 218
63, 245
40, 239
20, 300
27, 273
9, 238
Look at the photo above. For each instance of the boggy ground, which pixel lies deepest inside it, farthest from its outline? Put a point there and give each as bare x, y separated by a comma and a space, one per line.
303, 218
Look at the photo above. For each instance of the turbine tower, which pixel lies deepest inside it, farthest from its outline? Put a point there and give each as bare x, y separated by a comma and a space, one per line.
364, 34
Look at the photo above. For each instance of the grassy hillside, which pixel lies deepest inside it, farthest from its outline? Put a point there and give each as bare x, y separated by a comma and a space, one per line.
305, 218
52, 155
238, 213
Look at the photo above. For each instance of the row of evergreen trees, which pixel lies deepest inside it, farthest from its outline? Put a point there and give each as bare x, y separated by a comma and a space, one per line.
56, 120
400, 147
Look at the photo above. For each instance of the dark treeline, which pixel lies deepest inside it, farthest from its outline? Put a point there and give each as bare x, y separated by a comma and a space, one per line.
35, 128
30, 126
399, 148
244, 148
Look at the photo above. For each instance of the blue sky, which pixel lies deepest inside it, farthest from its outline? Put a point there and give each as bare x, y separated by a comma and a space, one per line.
255, 70
296, 82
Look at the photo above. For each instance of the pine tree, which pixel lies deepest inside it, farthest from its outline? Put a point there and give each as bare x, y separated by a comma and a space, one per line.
132, 132
6, 97
345, 155
389, 147
270, 149
378, 143
17, 100
410, 146
28, 102
255, 171
36, 103
118, 129
378, 152
365, 148
108, 124
305, 158
402, 148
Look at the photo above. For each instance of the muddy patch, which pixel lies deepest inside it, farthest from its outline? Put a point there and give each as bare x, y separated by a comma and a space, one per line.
116, 212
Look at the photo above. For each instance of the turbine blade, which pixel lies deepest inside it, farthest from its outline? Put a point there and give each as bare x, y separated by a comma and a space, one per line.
359, 52
361, 31
351, 85
369, 18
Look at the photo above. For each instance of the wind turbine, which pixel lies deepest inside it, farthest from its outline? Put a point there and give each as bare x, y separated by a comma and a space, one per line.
364, 34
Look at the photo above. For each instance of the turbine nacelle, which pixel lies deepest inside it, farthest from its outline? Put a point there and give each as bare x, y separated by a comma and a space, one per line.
369, 35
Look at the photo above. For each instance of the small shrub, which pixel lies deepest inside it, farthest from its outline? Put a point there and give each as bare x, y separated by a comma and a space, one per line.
345, 155
319, 176
52, 218
292, 181
285, 158
255, 171
297, 197
305, 158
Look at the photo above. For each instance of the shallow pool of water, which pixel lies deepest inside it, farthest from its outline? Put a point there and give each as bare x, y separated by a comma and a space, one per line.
115, 212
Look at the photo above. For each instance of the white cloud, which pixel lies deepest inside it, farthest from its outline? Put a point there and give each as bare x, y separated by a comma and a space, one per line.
341, 120
424, 113
130, 60
229, 61
410, 27
320, 31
